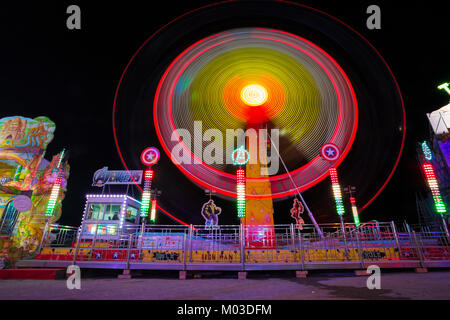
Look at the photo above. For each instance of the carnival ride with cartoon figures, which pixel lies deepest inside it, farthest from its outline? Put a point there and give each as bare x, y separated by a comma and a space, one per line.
26, 182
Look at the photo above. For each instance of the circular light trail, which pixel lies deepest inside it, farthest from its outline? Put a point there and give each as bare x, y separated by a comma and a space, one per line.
129, 70
309, 97
254, 95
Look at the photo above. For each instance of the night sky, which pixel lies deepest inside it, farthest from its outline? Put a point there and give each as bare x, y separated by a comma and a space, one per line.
71, 77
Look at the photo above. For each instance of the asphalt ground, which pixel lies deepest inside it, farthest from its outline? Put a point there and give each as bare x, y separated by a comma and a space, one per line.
403, 285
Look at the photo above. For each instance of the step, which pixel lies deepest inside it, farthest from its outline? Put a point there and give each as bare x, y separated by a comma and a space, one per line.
32, 274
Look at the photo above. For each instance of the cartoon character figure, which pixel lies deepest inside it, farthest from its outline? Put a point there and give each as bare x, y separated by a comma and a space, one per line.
296, 212
210, 213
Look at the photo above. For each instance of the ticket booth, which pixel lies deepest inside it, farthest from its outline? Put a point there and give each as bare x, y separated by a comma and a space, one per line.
109, 216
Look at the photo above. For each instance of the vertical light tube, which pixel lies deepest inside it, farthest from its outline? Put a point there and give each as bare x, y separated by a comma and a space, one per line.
439, 203
240, 190
337, 192
146, 192
153, 211
56, 187
354, 211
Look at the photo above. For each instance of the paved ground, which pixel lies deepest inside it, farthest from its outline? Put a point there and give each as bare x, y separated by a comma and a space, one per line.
399, 285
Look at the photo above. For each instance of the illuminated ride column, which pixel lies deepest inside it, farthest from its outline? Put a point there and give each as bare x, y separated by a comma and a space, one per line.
350, 190
331, 152
430, 175
240, 157
51, 204
240, 190
146, 193
149, 157
337, 196
355, 211
56, 187
259, 224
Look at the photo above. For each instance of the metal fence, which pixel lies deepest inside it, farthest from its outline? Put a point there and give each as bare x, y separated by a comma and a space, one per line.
246, 245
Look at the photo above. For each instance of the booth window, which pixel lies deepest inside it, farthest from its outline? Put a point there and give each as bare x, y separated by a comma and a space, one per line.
111, 229
90, 228
112, 212
102, 229
131, 214
95, 211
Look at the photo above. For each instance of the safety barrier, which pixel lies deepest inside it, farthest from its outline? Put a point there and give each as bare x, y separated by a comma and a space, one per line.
247, 246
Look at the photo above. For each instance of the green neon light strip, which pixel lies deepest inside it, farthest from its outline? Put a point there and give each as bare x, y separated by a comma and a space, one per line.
51, 204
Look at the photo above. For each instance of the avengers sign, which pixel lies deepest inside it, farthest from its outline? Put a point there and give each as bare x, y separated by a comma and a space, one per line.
103, 177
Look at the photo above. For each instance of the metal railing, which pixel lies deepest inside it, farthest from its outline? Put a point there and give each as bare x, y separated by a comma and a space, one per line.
245, 244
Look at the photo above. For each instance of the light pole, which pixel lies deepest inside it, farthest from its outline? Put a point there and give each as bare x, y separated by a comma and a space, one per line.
337, 193
155, 193
240, 157
351, 190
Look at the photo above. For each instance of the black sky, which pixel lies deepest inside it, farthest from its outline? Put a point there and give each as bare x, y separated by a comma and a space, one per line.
71, 77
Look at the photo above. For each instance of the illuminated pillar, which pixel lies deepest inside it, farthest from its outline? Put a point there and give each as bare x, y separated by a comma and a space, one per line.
153, 211
240, 191
260, 232
56, 187
146, 193
149, 157
439, 203
428, 170
354, 211
337, 193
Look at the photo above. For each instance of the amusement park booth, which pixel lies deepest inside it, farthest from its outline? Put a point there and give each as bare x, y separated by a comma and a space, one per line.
109, 215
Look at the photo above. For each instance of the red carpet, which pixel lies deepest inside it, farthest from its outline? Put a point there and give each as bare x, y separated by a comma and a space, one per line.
33, 274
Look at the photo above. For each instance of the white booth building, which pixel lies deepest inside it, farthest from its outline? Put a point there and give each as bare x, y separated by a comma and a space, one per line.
109, 215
